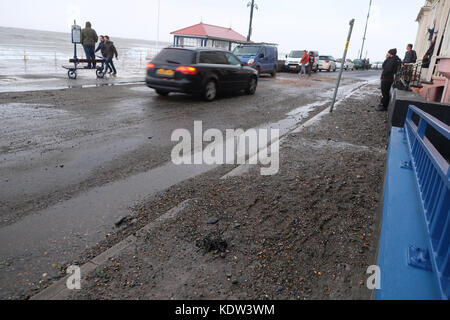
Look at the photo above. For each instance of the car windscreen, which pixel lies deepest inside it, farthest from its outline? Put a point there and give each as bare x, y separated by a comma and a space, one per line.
246, 51
325, 58
175, 56
296, 54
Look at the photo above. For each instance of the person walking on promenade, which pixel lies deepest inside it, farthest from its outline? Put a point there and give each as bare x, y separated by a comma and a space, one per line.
390, 67
110, 53
304, 62
89, 39
101, 48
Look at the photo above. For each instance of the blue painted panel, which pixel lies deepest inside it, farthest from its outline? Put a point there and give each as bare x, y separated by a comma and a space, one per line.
402, 227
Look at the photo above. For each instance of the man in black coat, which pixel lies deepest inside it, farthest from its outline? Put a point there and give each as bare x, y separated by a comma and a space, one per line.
390, 67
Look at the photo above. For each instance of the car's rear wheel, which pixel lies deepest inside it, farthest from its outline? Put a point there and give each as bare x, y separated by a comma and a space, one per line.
274, 72
252, 85
210, 91
162, 93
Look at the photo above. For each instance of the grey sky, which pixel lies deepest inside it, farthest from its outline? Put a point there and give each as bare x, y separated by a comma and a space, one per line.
294, 24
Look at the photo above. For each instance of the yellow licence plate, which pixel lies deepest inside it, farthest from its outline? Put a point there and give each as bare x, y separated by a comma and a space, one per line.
166, 73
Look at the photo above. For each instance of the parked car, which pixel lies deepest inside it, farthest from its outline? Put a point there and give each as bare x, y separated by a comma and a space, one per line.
327, 63
199, 71
262, 57
377, 65
348, 64
358, 64
294, 58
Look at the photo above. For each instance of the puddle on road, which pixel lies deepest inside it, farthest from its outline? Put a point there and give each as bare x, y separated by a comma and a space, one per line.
16, 113
144, 89
60, 84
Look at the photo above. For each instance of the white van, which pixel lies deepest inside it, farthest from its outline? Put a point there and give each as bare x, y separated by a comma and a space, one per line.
294, 58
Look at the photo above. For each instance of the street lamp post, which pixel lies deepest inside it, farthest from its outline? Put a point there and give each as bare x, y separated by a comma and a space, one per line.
250, 30
157, 27
365, 31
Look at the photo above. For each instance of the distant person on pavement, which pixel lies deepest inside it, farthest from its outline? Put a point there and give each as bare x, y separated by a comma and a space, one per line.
110, 53
101, 48
390, 67
88, 39
410, 56
312, 60
303, 62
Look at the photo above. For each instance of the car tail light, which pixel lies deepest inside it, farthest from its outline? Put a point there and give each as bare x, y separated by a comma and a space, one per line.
187, 70
150, 66
326, 61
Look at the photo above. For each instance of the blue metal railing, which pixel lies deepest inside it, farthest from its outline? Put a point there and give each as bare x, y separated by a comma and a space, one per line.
433, 182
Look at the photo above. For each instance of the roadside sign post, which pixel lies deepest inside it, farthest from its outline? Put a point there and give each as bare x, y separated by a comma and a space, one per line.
352, 23
76, 38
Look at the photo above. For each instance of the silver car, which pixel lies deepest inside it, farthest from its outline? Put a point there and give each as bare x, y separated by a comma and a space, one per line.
327, 63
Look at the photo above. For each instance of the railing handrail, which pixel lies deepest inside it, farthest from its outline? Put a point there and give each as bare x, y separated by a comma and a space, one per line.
437, 124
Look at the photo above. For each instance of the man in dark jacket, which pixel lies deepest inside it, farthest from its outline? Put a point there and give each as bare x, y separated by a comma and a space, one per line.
101, 48
88, 39
410, 56
110, 53
390, 67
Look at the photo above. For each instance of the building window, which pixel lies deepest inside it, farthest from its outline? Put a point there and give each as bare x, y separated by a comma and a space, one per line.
190, 42
221, 44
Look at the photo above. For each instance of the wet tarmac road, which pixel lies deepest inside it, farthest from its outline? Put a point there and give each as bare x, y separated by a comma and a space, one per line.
73, 161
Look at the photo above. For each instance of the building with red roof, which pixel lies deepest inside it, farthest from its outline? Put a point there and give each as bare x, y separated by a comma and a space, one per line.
207, 35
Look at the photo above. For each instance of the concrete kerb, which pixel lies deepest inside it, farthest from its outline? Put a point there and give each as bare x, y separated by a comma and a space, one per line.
59, 290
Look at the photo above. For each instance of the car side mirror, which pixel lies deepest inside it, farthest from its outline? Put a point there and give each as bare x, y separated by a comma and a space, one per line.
286, 56
243, 64
261, 55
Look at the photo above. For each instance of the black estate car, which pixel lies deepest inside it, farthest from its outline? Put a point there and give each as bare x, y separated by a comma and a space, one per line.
200, 71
